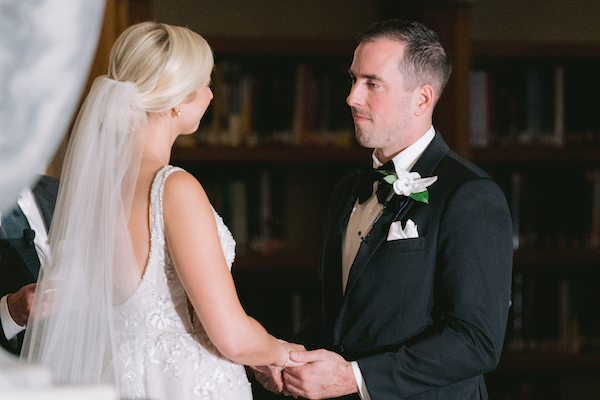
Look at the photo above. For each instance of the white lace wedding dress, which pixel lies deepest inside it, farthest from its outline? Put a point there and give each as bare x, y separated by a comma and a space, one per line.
163, 352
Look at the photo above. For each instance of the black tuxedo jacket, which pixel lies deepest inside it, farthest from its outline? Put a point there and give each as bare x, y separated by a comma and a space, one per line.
424, 317
14, 272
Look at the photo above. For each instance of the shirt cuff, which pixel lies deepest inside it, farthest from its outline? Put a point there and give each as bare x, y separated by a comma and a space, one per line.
360, 382
9, 326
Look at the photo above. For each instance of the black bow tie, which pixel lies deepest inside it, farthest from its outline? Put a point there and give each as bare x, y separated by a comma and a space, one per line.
367, 177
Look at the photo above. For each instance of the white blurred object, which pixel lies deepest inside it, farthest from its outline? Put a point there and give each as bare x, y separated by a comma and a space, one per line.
46, 49
61, 393
19, 381
15, 375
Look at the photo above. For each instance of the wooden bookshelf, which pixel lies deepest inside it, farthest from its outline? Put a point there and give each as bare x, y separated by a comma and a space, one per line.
498, 155
271, 154
503, 51
544, 258
285, 260
549, 180
550, 361
282, 46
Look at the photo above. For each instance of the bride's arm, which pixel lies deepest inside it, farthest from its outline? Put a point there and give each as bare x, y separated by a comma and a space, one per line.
191, 234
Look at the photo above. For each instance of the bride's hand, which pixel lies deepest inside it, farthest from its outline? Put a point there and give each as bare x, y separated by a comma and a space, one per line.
270, 376
292, 347
271, 380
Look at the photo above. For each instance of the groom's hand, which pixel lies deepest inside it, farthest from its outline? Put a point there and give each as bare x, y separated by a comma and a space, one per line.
20, 303
325, 374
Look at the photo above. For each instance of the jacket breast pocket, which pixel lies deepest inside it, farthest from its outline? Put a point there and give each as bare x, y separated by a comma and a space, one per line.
402, 245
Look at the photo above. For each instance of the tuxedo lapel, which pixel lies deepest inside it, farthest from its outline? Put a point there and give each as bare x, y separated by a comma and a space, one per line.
45, 192
346, 204
431, 157
332, 275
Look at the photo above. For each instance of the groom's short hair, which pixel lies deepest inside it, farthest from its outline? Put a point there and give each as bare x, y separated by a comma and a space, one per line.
424, 62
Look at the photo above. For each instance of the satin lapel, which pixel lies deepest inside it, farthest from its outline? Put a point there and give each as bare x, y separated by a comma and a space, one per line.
395, 210
45, 192
431, 157
345, 207
332, 256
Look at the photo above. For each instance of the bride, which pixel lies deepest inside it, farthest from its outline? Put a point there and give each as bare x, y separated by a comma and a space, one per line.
139, 292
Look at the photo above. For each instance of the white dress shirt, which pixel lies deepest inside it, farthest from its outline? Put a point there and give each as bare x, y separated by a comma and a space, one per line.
28, 205
363, 217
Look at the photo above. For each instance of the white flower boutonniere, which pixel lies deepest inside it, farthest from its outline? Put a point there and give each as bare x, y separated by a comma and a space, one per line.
409, 184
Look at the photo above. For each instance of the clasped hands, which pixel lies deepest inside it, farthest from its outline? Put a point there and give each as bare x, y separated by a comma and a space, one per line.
316, 374
20, 303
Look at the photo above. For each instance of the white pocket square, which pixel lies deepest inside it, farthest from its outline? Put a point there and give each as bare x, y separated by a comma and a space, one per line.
396, 232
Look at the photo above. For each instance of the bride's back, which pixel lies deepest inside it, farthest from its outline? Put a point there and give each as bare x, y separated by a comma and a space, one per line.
139, 228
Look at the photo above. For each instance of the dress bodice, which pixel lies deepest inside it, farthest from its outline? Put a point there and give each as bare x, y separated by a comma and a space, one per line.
159, 336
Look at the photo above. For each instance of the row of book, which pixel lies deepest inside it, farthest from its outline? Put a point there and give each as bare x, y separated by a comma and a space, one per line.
554, 312
534, 103
252, 206
264, 101
552, 206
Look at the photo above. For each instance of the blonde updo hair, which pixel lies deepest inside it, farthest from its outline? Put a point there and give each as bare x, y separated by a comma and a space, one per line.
167, 63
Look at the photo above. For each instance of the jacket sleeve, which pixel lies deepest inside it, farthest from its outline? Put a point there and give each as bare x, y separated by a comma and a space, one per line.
13, 275
471, 300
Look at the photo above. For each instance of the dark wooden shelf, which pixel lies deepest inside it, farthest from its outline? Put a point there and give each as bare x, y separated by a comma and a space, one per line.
534, 154
281, 269
271, 154
306, 259
548, 361
528, 258
284, 45
531, 50
556, 258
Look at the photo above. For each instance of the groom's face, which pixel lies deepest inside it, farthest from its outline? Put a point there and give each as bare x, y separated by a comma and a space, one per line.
381, 108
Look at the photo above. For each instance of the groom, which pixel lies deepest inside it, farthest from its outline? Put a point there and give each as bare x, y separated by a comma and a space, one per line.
23, 247
416, 274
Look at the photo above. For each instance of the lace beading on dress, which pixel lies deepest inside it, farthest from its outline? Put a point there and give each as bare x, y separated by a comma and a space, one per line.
163, 351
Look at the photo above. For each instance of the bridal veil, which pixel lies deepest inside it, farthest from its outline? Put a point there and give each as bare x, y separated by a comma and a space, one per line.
152, 68
92, 263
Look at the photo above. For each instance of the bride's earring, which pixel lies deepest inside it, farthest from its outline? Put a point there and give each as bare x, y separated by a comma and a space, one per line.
176, 113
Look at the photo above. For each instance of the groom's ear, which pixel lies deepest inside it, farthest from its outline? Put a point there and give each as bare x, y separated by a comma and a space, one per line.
425, 95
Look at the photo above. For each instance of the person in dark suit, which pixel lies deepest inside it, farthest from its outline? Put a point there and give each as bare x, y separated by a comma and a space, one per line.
23, 247
415, 266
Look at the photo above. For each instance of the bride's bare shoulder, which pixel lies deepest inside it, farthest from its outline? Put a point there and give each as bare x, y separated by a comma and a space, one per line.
182, 191
188, 216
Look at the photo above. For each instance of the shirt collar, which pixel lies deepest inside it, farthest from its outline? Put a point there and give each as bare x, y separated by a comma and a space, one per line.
408, 157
